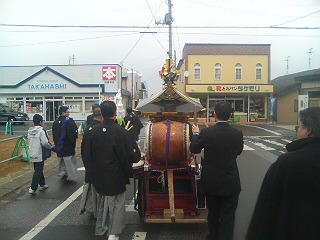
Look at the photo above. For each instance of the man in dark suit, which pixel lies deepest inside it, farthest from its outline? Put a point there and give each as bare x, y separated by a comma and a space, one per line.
135, 122
111, 154
89, 195
91, 116
220, 177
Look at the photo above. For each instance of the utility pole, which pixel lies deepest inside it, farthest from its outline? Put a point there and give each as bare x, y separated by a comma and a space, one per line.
287, 60
132, 93
169, 21
310, 52
72, 60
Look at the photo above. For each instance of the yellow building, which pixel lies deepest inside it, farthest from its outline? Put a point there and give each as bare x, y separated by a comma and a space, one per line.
237, 73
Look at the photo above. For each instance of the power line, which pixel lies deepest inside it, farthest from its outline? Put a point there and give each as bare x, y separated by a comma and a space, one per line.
62, 41
236, 10
121, 62
297, 18
148, 27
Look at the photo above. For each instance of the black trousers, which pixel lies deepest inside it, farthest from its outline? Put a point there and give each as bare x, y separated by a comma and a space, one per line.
38, 177
221, 216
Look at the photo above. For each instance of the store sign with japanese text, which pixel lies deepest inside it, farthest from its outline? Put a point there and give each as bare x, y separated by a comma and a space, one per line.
234, 88
230, 88
109, 74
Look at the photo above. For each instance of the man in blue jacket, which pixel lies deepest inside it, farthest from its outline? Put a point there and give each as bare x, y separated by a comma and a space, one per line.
65, 134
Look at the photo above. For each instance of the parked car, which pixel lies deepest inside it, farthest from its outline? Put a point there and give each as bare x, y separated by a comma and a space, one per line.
8, 114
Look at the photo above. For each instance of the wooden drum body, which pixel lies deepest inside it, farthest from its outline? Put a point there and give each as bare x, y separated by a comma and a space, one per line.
167, 143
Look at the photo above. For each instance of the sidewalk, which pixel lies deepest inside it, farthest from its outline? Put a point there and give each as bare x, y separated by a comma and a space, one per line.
20, 178
23, 176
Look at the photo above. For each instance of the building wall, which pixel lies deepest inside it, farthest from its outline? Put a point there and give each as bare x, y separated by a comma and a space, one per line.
180, 84
285, 108
228, 62
43, 89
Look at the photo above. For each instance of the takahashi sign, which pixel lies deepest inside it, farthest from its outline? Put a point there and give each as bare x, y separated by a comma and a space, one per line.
109, 73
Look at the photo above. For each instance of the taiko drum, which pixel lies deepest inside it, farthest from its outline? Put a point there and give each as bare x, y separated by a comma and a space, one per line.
167, 142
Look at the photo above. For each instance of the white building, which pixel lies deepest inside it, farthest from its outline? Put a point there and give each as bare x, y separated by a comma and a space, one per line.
43, 89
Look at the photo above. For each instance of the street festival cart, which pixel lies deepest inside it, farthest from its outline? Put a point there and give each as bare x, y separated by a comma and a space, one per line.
166, 182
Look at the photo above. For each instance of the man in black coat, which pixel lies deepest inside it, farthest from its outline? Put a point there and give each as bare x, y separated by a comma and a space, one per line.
111, 155
135, 122
97, 119
65, 134
220, 177
91, 116
288, 205
89, 195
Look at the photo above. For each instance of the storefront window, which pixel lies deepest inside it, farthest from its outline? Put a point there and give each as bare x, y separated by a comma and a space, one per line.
88, 106
34, 107
16, 105
74, 106
257, 105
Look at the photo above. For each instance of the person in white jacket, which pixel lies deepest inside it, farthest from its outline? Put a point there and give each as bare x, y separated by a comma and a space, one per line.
38, 142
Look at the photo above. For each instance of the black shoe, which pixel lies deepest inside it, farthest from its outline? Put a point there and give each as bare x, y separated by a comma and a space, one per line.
64, 178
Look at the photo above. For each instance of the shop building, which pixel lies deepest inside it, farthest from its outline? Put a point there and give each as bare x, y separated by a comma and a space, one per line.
294, 92
237, 73
43, 89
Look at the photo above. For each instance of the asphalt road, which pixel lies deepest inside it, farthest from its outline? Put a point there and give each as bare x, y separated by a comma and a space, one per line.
20, 212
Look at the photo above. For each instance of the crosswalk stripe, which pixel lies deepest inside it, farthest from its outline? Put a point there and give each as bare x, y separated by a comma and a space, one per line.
286, 140
274, 143
267, 130
247, 148
262, 145
139, 236
130, 207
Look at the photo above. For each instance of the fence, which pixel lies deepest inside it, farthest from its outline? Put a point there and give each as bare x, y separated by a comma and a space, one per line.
11, 151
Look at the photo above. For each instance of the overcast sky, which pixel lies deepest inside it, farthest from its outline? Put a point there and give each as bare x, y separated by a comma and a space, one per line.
146, 52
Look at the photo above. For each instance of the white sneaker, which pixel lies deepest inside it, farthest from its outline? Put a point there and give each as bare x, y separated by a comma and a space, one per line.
31, 191
44, 187
113, 237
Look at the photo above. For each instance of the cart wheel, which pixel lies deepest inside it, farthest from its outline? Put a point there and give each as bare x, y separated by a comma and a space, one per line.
141, 198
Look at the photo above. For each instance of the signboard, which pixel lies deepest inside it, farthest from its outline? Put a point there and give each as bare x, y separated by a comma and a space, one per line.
303, 102
109, 74
229, 88
107, 97
74, 108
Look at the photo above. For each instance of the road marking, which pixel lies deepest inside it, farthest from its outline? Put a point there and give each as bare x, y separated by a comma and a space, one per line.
286, 140
267, 130
282, 152
130, 207
45, 222
81, 169
247, 148
274, 143
139, 236
262, 145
